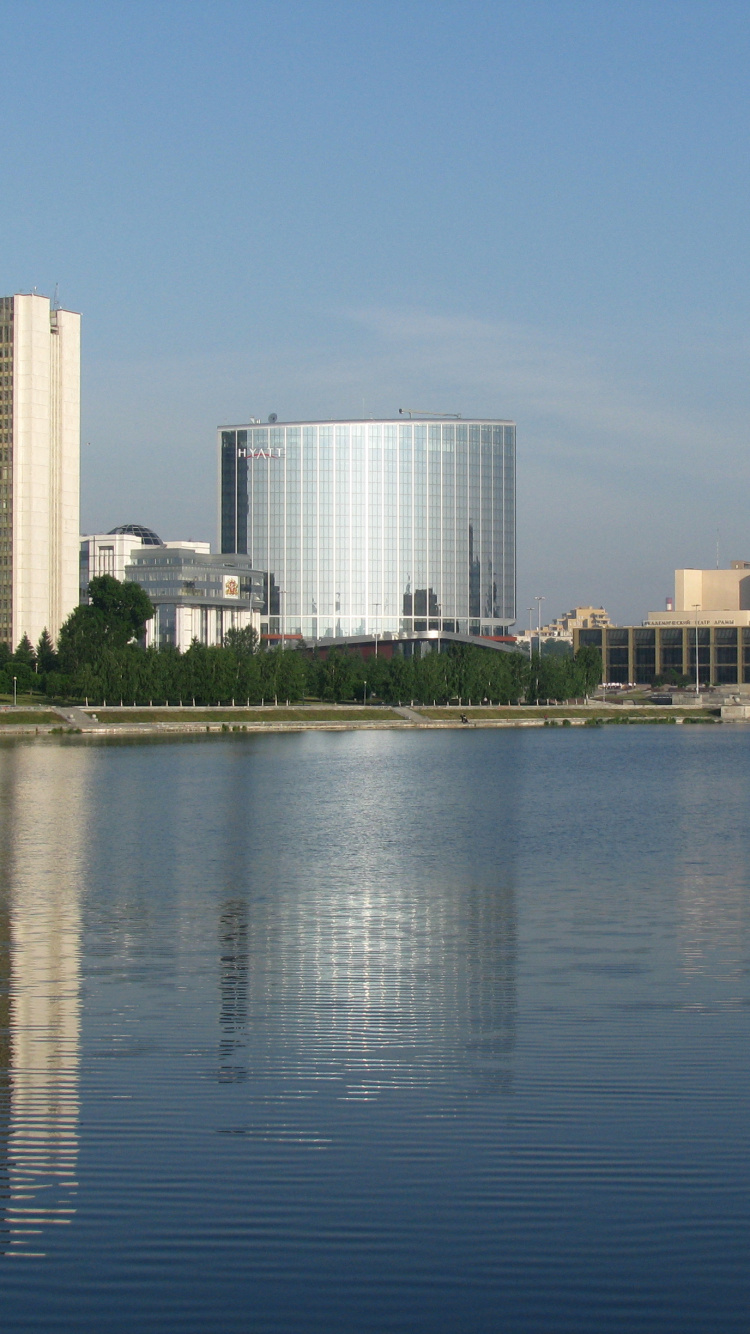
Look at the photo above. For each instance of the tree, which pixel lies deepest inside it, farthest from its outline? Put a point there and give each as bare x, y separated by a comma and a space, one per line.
116, 615
82, 638
249, 679
21, 666
46, 658
24, 654
338, 676
400, 682
673, 678
125, 606
243, 642
198, 674
430, 678
290, 680
557, 648
589, 661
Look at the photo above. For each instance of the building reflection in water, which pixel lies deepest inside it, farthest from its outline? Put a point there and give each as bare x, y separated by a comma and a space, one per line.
233, 983
5, 1047
713, 916
363, 952
42, 833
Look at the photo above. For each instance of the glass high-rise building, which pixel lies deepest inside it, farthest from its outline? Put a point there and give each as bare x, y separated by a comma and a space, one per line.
375, 527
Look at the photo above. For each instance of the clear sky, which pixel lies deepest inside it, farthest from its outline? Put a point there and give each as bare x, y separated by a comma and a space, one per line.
528, 210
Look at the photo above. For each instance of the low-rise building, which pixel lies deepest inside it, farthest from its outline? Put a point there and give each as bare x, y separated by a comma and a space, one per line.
645, 653
195, 595
413, 645
578, 618
708, 619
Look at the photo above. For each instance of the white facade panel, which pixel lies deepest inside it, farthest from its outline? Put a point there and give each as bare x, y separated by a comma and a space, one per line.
64, 568
105, 553
206, 624
46, 455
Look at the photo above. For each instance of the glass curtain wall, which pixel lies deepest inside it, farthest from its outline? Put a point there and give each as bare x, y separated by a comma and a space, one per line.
375, 527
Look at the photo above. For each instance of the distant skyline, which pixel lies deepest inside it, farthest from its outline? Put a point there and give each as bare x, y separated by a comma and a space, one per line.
537, 212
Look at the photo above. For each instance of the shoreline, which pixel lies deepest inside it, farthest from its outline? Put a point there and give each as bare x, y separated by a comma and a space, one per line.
221, 720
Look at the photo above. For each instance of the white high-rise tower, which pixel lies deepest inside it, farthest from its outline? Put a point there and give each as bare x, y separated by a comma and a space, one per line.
40, 445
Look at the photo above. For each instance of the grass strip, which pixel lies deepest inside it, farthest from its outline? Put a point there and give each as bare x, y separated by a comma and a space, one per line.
218, 716
26, 718
559, 714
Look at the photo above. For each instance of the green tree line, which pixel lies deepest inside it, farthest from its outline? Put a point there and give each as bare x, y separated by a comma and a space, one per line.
99, 659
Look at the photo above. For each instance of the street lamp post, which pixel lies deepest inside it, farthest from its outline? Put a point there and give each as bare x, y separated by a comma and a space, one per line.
282, 608
696, 609
364, 698
15, 693
539, 601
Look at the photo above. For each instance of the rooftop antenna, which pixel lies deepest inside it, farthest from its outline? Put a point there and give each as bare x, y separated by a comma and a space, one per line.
418, 412
717, 548
56, 297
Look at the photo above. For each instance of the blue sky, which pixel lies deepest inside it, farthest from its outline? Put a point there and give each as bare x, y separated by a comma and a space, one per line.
526, 210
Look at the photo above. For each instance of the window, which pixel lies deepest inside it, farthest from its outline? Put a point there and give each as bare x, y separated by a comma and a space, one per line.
106, 561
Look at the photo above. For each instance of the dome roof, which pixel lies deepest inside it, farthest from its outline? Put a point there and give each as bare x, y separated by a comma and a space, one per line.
147, 535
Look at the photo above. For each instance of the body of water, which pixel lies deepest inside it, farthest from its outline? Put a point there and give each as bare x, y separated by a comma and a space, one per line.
440, 1031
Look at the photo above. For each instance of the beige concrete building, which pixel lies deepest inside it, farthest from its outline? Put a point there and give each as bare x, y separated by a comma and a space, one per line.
708, 597
39, 466
578, 618
704, 634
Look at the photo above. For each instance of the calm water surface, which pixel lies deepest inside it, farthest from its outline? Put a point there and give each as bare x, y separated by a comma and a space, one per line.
376, 1032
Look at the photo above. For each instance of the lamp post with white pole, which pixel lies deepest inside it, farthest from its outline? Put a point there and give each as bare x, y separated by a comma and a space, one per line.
282, 609
696, 609
15, 692
539, 601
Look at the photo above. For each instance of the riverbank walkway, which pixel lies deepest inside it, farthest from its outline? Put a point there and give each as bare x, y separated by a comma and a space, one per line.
137, 720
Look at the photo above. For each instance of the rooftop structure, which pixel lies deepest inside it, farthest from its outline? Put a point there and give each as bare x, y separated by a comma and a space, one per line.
110, 553
146, 536
708, 597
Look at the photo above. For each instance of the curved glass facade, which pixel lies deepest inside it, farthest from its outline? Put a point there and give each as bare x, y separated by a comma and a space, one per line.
375, 527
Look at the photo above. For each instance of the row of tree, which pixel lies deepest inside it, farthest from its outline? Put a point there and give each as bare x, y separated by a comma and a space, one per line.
99, 659
28, 665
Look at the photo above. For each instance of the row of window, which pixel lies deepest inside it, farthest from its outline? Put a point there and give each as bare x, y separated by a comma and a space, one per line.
643, 653
617, 636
